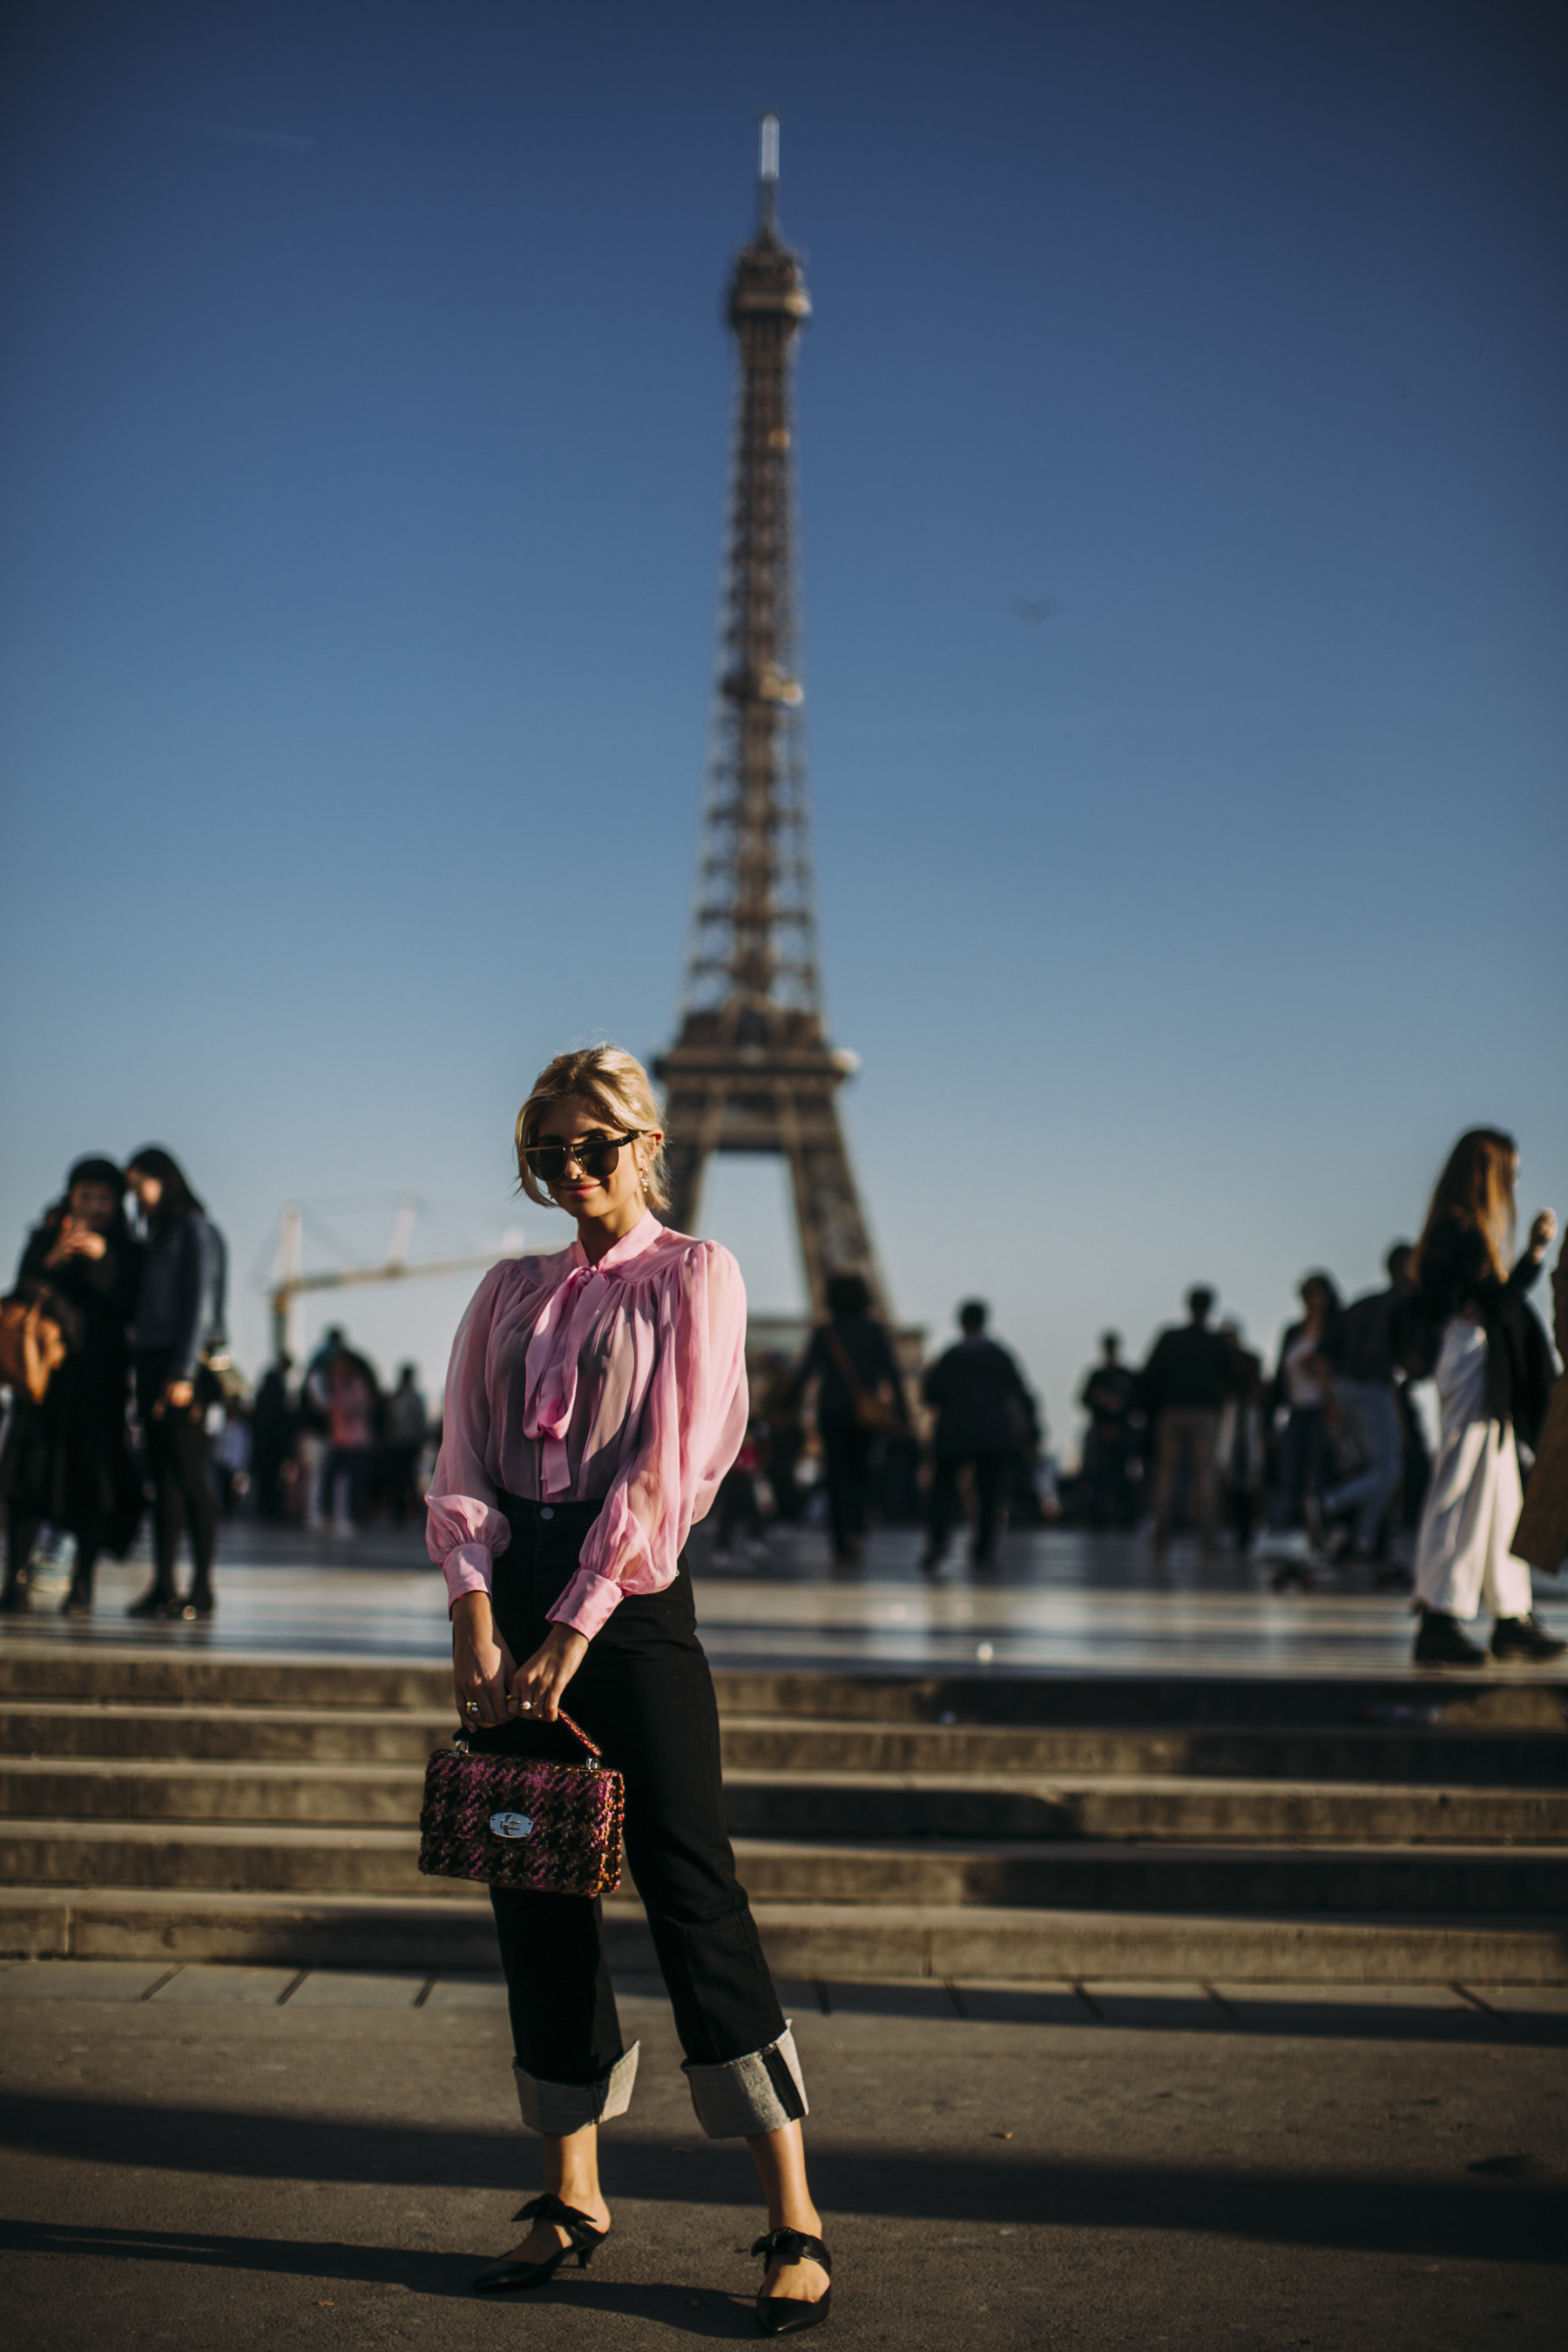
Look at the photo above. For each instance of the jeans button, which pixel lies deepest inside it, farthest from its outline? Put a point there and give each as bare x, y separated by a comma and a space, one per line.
545, 1512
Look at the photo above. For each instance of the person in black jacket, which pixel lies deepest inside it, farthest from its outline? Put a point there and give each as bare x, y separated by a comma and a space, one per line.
1183, 1387
1113, 1441
860, 1396
984, 1417
1492, 1366
67, 1460
178, 1332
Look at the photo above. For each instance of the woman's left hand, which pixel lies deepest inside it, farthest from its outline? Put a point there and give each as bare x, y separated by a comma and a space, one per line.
1542, 1233
541, 1680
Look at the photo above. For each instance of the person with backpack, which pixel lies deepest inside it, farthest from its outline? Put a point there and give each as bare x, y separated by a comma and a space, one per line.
1492, 1365
860, 1398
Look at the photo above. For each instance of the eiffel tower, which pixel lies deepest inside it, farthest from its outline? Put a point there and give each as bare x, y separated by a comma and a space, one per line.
751, 1069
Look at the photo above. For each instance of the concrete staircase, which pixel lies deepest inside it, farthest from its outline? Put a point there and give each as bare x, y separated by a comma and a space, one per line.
170, 1804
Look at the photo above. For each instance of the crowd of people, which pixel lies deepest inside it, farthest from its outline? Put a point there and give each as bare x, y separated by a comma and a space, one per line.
114, 1346
1326, 1457
1322, 1459
113, 1343
336, 1451
1326, 1448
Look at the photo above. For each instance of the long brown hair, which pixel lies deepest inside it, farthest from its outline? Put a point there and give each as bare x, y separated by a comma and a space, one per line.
1476, 1187
177, 1200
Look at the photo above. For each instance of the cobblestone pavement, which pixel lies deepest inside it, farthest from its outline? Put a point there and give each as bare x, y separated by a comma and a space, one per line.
245, 2156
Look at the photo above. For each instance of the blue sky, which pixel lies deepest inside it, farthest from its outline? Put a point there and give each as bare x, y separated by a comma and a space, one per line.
361, 486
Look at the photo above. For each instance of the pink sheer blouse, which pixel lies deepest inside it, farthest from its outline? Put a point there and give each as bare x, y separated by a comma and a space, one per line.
623, 1381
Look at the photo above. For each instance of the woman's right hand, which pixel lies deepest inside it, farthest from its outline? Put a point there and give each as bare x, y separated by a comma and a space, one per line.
1542, 1233
482, 1666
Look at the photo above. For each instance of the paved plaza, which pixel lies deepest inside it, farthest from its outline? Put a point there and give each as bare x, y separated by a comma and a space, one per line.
248, 2156
1059, 1602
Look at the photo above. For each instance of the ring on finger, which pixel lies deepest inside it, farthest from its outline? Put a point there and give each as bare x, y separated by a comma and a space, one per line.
470, 1706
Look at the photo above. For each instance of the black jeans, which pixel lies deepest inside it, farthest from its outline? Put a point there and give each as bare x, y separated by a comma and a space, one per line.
847, 1468
645, 1693
1302, 1451
991, 1478
177, 1466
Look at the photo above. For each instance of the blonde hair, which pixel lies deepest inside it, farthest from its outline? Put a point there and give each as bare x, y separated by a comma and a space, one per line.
1476, 1187
619, 1089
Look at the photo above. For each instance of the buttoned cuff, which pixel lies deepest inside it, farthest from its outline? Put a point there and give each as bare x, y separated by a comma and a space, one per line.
470, 1569
588, 1602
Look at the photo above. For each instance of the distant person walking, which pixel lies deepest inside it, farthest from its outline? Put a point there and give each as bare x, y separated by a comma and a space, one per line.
179, 1326
1109, 1397
1303, 1391
783, 1438
1184, 1386
354, 1408
273, 1428
984, 1417
1493, 1370
1243, 1447
65, 1459
1541, 1535
860, 1398
407, 1423
1364, 1352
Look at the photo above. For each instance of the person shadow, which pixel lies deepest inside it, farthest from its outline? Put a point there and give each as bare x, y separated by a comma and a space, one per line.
707, 2314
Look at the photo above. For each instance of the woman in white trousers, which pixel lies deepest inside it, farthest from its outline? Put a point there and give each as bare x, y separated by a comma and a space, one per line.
1493, 1370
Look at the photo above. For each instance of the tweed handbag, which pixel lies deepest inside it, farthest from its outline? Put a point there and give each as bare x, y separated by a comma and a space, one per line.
521, 1820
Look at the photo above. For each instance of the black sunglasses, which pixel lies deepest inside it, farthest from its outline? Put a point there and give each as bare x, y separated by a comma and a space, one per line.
597, 1156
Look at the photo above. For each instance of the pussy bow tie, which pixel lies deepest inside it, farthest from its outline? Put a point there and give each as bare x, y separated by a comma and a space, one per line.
550, 1392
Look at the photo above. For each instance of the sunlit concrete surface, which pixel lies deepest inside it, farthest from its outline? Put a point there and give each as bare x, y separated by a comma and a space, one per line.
1058, 1603
248, 2156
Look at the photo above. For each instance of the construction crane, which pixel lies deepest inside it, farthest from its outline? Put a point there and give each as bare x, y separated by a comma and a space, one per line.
292, 1280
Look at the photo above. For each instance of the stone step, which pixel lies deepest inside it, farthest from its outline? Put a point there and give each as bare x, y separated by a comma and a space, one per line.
1507, 1698
1160, 1809
1473, 1759
806, 1940
1126, 1876
1080, 1875
833, 1806
766, 1744
1517, 1699
273, 1858
219, 1733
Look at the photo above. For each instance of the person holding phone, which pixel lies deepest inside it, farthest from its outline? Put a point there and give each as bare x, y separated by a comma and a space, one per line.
596, 1399
67, 1460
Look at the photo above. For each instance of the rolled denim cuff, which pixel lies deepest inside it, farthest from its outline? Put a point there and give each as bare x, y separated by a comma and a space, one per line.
746, 2095
558, 2108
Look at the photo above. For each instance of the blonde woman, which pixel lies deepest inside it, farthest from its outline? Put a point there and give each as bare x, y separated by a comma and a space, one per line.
1492, 1370
596, 1399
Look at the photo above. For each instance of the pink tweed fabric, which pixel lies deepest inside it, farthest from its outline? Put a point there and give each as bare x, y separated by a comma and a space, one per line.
515, 1821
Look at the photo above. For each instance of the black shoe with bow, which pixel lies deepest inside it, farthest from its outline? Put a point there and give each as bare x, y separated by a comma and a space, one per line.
784, 2315
584, 2240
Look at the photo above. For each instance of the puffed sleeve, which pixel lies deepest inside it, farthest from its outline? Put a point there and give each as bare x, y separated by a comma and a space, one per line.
464, 1531
694, 1420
